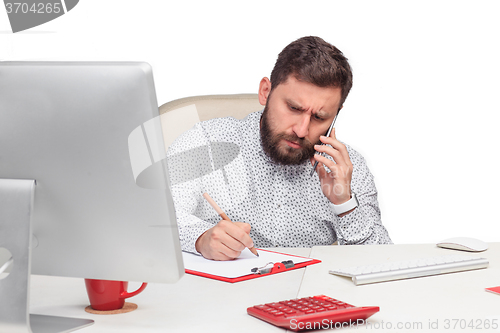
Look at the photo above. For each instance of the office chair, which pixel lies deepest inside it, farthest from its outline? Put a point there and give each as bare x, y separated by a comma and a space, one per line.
180, 115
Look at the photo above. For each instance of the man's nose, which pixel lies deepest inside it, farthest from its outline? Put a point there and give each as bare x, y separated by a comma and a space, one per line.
301, 128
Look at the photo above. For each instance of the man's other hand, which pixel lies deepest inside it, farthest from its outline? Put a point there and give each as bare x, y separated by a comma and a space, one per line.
225, 241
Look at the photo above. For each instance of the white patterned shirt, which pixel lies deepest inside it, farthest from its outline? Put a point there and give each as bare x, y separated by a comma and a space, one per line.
283, 204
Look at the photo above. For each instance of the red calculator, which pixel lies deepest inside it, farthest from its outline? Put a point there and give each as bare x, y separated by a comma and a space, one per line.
312, 313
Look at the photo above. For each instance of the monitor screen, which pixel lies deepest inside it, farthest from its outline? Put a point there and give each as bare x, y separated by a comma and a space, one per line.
88, 133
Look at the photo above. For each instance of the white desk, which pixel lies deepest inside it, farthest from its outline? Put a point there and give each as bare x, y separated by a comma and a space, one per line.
453, 300
193, 304
197, 304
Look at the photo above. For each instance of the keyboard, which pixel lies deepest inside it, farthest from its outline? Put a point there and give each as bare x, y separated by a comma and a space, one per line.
317, 312
411, 268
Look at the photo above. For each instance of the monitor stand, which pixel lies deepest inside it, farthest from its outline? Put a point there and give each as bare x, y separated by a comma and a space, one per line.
16, 205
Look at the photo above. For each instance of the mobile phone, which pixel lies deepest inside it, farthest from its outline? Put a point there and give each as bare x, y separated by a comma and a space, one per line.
327, 134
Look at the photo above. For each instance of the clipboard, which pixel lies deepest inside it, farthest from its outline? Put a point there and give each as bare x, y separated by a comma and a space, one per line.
495, 290
246, 266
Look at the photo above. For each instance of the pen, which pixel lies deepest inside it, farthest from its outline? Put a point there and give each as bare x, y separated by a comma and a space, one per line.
224, 217
327, 134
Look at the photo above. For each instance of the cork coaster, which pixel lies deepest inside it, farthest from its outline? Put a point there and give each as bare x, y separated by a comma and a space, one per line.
128, 307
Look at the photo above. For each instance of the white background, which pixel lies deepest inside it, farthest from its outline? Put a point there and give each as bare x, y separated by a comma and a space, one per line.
423, 110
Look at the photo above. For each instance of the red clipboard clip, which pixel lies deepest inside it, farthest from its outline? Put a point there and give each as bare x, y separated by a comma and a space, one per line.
271, 268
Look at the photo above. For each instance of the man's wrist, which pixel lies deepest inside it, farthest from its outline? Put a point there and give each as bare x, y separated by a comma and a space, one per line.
197, 245
346, 207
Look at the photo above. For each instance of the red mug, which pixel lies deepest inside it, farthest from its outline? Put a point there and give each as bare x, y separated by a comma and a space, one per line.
106, 295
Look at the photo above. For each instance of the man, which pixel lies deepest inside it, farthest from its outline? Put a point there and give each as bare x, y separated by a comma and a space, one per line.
267, 187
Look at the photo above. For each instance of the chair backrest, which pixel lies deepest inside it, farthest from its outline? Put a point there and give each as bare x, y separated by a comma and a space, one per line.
180, 115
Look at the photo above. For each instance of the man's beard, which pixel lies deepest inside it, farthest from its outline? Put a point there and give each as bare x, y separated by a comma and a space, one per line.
283, 155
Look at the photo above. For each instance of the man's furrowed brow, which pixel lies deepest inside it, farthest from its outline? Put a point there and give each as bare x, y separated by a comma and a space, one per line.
322, 114
294, 104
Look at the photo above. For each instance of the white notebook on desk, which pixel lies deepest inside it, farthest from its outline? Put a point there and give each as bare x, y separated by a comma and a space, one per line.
240, 268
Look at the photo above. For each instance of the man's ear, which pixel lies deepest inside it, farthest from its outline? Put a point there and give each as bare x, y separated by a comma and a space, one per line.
264, 90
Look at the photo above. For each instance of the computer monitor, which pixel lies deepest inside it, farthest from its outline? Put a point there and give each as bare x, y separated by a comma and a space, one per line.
88, 134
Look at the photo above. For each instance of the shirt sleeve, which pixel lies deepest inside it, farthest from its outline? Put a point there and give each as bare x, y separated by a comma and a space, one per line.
186, 157
363, 225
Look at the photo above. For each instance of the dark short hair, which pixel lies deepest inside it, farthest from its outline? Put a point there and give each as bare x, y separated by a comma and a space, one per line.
313, 60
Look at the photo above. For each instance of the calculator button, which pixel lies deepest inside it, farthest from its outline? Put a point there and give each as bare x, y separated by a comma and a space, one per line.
319, 297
